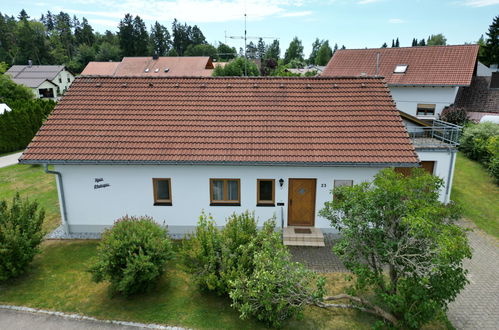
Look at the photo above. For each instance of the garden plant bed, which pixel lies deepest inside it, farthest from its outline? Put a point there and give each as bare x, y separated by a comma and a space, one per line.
58, 281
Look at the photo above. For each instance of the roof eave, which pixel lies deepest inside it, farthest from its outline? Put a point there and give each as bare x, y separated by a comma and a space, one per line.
226, 163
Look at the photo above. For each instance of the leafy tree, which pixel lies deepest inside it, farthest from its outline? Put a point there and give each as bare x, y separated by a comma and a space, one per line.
422, 42
84, 54
294, 51
10, 90
132, 255
108, 52
436, 40
160, 39
324, 54
397, 223
196, 37
237, 68
384, 45
491, 48
201, 50
251, 50
20, 235
273, 50
316, 45
226, 52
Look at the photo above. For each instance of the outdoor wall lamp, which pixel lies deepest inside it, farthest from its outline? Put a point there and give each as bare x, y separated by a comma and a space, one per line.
281, 182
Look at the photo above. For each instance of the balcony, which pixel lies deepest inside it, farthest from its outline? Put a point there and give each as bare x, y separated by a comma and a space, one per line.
440, 134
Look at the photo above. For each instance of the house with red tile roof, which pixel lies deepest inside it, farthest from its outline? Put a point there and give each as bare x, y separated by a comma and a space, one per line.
170, 147
422, 80
153, 66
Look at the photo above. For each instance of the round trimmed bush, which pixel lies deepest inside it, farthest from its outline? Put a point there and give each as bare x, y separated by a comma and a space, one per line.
132, 255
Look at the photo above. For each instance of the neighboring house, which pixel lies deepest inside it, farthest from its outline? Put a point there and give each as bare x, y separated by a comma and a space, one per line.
4, 108
153, 66
315, 69
173, 147
46, 81
482, 96
422, 80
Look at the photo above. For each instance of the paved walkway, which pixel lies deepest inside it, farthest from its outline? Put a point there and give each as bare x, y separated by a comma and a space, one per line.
477, 306
319, 259
45, 320
10, 159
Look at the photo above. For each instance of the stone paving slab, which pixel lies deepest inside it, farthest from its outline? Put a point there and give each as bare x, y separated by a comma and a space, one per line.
477, 306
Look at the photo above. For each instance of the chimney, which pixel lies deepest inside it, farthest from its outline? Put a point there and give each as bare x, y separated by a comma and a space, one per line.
30, 63
155, 56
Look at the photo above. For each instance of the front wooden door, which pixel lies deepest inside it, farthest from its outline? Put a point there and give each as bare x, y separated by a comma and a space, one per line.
301, 204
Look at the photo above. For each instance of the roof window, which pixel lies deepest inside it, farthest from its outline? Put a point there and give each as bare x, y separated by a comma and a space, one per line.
400, 68
146, 70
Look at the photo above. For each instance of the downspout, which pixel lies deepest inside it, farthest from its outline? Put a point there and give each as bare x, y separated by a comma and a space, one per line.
449, 178
282, 224
62, 197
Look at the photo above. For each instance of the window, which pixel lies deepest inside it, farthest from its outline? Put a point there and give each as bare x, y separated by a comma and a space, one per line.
341, 183
225, 192
400, 68
69, 79
425, 110
162, 191
60, 80
46, 92
265, 192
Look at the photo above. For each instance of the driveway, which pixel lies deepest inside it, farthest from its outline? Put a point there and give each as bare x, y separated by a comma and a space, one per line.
477, 306
10, 159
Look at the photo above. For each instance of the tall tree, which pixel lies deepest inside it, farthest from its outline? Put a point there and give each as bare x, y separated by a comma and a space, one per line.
261, 48
64, 33
126, 36
414, 42
397, 43
140, 37
160, 39
491, 49
273, 50
196, 37
324, 54
251, 50
226, 52
422, 42
384, 45
316, 45
23, 15
437, 40
294, 51
181, 36
393, 43
85, 34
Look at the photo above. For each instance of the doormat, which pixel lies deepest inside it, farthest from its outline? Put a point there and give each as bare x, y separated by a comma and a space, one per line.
302, 231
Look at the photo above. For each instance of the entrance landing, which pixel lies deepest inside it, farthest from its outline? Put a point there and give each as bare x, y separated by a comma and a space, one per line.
303, 236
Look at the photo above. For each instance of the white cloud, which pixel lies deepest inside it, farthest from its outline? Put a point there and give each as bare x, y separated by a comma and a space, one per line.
194, 10
396, 21
481, 3
297, 13
104, 22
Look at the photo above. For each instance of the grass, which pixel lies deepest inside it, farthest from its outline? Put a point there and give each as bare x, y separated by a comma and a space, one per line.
58, 281
475, 190
32, 182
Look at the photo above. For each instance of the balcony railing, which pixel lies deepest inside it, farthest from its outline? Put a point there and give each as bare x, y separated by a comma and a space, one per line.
440, 135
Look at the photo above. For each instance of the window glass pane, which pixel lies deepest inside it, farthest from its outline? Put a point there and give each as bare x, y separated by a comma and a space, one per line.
232, 190
163, 190
341, 183
218, 190
265, 191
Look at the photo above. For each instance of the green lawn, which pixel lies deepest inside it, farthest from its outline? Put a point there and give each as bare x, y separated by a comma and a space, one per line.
476, 191
58, 281
32, 182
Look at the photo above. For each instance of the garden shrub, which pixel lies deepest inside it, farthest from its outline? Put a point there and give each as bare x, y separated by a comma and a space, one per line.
454, 115
132, 255
20, 235
277, 288
480, 142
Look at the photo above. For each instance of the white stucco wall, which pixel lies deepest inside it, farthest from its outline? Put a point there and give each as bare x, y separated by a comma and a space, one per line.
444, 159
407, 98
131, 192
43, 85
64, 83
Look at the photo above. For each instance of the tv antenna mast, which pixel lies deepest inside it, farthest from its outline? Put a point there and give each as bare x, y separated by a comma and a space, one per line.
245, 38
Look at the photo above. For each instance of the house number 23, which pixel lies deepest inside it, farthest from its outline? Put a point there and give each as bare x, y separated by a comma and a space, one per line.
323, 185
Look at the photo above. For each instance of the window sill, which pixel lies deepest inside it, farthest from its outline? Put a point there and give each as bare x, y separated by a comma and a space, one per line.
225, 204
265, 205
163, 204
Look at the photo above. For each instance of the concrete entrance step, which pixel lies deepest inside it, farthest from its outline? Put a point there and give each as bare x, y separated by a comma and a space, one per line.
303, 236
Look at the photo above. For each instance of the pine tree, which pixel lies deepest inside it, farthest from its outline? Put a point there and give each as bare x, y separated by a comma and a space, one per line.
393, 43
23, 15
126, 36
491, 49
160, 39
324, 54
384, 45
414, 42
294, 51
422, 42
316, 45
140, 37
261, 48
196, 36
397, 44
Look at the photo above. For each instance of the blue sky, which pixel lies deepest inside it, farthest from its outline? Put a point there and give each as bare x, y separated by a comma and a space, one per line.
353, 23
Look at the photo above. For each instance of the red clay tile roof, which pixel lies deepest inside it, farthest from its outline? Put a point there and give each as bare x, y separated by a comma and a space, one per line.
165, 66
431, 65
302, 121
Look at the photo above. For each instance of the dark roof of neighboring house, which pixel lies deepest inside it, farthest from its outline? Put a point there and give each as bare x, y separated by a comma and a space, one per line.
229, 120
427, 66
165, 66
33, 76
478, 97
